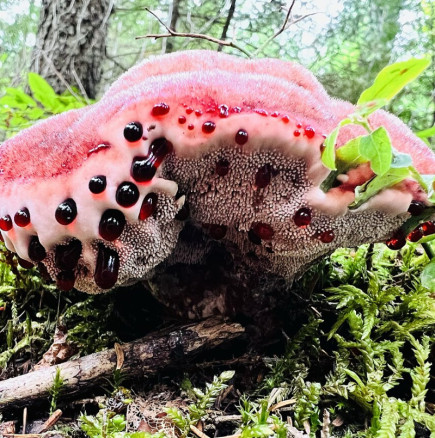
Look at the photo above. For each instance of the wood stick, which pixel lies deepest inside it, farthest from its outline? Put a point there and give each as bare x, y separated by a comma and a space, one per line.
143, 358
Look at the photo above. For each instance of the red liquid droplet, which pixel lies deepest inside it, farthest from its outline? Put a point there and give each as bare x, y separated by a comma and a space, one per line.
223, 111
24, 263
208, 127
67, 256
263, 176
415, 235
222, 167
111, 224
236, 109
416, 208
65, 280
309, 132
217, 232
428, 228
160, 109
241, 137
66, 212
299, 126
297, 133
149, 206
275, 114
396, 242
263, 231
190, 127
181, 120
6, 223
198, 113
189, 110
107, 267
302, 217
285, 119
36, 251
262, 112
326, 236
22, 217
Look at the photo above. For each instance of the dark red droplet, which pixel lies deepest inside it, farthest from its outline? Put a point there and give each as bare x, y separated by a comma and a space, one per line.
415, 235
198, 113
67, 256
222, 167
253, 238
183, 212
160, 109
111, 224
263, 176
107, 267
263, 231
65, 280
428, 228
133, 131
217, 232
326, 236
223, 111
143, 169
262, 112
241, 137
66, 212
36, 251
397, 241
416, 208
97, 184
208, 127
5, 223
190, 127
182, 120
189, 110
302, 217
160, 147
24, 263
127, 194
296, 133
236, 109
309, 132
285, 119
149, 206
22, 217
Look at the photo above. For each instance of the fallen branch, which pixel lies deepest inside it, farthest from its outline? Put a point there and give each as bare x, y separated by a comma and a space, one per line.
142, 358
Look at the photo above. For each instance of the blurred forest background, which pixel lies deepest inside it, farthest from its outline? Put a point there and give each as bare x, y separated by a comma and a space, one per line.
344, 42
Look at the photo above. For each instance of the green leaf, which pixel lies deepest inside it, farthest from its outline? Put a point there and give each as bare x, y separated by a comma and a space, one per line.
328, 154
371, 188
348, 156
377, 148
393, 78
426, 133
428, 276
401, 160
42, 91
366, 108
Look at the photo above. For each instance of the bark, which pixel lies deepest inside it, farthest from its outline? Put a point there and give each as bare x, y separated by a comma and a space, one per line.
175, 15
70, 43
142, 358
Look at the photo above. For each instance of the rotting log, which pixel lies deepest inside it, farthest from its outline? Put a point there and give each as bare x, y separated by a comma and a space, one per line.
142, 358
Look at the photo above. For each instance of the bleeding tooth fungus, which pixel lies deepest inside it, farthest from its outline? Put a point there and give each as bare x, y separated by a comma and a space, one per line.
189, 156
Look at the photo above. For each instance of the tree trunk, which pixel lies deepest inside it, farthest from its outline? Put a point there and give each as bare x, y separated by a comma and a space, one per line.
175, 15
70, 43
141, 358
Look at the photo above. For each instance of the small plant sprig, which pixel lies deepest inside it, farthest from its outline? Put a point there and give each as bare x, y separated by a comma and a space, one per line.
204, 401
390, 166
55, 390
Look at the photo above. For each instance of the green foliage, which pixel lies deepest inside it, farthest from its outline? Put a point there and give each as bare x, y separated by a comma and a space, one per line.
55, 390
18, 110
203, 401
258, 422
